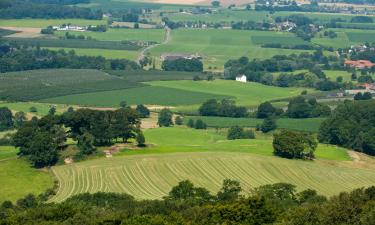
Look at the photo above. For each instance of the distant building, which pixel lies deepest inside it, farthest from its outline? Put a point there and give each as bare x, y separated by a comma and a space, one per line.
359, 64
175, 56
241, 78
70, 27
365, 88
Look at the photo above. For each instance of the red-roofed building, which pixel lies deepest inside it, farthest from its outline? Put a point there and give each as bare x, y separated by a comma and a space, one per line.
359, 64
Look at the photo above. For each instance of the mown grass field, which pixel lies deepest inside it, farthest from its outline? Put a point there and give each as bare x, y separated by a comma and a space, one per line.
152, 176
155, 35
18, 179
107, 53
309, 124
219, 45
41, 23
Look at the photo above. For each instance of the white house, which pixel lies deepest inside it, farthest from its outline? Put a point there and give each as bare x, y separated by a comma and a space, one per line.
241, 78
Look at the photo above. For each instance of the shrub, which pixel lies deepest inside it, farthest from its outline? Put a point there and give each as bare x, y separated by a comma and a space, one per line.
291, 144
237, 132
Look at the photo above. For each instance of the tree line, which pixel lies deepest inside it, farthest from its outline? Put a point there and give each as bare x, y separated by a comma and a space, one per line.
188, 65
41, 140
15, 57
186, 203
352, 126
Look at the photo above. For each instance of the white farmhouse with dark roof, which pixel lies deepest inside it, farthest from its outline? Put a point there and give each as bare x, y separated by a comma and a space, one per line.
241, 78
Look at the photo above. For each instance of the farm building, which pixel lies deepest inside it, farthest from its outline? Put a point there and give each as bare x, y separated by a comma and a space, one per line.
175, 56
241, 78
359, 64
365, 88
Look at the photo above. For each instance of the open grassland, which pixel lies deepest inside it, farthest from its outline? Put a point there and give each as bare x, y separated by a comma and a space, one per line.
309, 124
18, 179
183, 139
152, 176
248, 94
107, 53
41, 23
153, 35
40, 84
219, 45
333, 74
143, 95
223, 15
42, 108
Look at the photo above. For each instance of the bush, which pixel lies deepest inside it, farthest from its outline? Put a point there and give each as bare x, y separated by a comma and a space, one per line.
140, 139
190, 123
237, 132
269, 124
165, 118
200, 125
178, 120
291, 144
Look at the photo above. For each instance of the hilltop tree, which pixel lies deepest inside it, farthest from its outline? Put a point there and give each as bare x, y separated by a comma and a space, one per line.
165, 118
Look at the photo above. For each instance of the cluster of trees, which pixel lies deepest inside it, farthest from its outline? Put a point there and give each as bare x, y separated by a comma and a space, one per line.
165, 118
198, 124
361, 19
300, 107
40, 140
189, 65
17, 58
261, 70
9, 121
186, 203
225, 108
294, 145
237, 132
17, 9
251, 25
364, 96
351, 125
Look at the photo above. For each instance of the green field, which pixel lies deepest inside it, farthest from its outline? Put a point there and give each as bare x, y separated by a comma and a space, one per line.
143, 95
107, 53
219, 45
41, 23
39, 84
333, 74
248, 94
140, 175
154, 35
309, 124
42, 108
19, 177
180, 93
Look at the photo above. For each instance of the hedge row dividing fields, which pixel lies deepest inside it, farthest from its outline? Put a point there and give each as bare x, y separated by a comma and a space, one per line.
152, 176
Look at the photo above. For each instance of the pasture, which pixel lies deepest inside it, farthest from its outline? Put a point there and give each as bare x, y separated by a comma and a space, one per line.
19, 177
42, 108
219, 45
309, 124
106, 53
140, 175
120, 34
42, 23
248, 94
142, 95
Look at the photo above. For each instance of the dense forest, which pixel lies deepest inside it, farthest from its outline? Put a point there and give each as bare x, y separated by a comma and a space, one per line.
48, 9
352, 125
187, 204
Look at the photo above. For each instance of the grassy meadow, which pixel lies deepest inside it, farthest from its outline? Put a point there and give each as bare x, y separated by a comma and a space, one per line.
153, 35
219, 45
42, 108
107, 53
20, 178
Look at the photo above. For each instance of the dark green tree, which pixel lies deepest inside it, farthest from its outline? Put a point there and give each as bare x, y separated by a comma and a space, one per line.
292, 144
178, 120
200, 125
143, 111
269, 124
85, 144
165, 118
230, 190
190, 123
6, 119
43, 150
19, 119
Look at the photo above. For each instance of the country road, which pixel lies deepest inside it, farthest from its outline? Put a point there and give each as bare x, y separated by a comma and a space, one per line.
167, 39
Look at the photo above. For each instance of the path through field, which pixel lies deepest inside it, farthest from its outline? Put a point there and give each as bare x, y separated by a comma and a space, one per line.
167, 39
152, 176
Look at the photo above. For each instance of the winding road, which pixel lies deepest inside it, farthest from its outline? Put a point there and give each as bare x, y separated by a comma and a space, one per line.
167, 39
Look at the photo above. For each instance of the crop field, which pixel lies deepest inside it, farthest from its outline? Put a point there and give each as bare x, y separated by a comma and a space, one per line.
219, 45
140, 175
41, 23
154, 35
39, 84
221, 16
309, 124
19, 177
286, 39
360, 36
154, 75
107, 53
76, 43
346, 38
248, 94
143, 95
